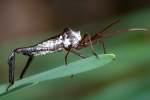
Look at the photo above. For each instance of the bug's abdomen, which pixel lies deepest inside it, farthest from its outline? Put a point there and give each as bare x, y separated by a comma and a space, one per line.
44, 51
42, 48
36, 51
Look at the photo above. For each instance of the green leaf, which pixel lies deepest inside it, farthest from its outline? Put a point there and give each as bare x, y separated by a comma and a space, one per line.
73, 68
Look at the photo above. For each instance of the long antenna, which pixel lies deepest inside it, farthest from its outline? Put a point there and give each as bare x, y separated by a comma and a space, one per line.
109, 25
105, 28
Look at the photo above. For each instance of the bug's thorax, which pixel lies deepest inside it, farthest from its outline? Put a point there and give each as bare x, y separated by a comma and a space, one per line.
72, 38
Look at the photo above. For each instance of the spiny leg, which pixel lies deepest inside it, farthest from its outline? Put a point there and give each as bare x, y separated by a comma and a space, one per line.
26, 67
11, 63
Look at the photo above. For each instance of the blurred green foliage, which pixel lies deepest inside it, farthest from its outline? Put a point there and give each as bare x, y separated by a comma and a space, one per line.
125, 79
73, 68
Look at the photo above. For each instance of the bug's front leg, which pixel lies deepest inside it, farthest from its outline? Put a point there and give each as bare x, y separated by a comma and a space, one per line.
101, 42
78, 53
91, 45
86, 41
103, 45
74, 51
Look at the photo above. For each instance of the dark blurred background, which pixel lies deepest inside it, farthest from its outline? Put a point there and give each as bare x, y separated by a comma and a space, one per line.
25, 17
25, 22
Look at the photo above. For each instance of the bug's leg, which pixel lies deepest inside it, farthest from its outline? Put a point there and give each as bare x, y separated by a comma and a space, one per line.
91, 45
92, 49
76, 52
26, 67
83, 38
66, 56
8, 86
108, 26
11, 63
103, 45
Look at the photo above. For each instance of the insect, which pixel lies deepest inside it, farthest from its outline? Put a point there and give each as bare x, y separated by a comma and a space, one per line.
64, 41
68, 40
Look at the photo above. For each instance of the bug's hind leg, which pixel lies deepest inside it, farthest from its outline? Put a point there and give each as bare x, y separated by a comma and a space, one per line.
26, 67
11, 63
10, 84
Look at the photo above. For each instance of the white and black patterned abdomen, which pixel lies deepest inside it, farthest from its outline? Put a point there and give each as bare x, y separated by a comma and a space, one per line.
49, 46
46, 47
